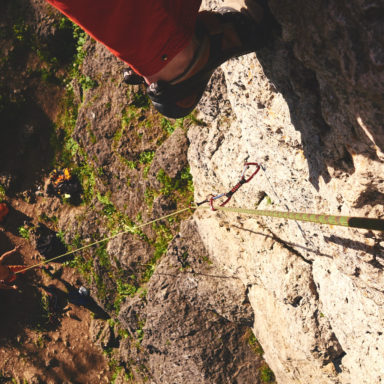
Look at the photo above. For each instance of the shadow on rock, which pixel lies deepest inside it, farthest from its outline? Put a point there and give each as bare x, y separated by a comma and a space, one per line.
375, 250
81, 297
25, 148
21, 309
49, 244
323, 98
14, 220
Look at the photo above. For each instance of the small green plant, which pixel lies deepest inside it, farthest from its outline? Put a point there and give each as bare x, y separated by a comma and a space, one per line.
167, 126
20, 31
266, 375
115, 368
123, 290
255, 345
163, 238
167, 183
182, 184
44, 318
48, 219
108, 208
142, 292
81, 264
2, 193
129, 163
102, 256
184, 261
128, 376
149, 197
170, 127
25, 232
140, 331
80, 38
146, 157
128, 115
140, 100
206, 259
39, 342
87, 83
186, 177
123, 333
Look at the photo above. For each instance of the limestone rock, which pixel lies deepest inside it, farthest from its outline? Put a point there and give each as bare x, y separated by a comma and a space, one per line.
307, 107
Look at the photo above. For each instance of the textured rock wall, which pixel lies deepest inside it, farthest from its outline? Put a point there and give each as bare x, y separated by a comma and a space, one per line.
308, 108
192, 321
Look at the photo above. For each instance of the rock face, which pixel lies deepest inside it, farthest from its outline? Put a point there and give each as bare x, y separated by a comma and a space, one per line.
308, 108
197, 319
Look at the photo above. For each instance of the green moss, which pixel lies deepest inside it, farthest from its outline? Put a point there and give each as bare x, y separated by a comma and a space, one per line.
170, 126
3, 193
266, 375
140, 331
43, 321
255, 345
182, 184
167, 125
140, 100
146, 157
163, 238
129, 114
25, 232
123, 290
20, 31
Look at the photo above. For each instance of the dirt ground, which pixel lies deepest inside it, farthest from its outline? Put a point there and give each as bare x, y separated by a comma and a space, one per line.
34, 348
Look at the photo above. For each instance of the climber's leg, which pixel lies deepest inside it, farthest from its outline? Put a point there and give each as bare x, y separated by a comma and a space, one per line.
174, 48
147, 35
220, 35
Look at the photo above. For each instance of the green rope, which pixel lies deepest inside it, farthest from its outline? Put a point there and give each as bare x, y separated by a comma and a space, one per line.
345, 221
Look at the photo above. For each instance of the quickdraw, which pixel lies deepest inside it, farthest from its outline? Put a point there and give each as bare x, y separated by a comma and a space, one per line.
243, 180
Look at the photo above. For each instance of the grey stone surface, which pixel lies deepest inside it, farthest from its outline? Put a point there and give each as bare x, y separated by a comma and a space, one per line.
198, 318
306, 108
171, 156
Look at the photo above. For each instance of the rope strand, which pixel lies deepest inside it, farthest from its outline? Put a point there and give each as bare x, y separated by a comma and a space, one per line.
345, 221
102, 240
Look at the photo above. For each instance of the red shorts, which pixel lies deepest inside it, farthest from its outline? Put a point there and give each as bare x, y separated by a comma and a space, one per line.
146, 34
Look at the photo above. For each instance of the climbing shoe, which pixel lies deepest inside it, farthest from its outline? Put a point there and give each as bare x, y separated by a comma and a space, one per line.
229, 32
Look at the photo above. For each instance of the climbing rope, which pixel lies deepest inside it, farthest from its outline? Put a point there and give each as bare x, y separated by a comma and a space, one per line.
345, 221
130, 230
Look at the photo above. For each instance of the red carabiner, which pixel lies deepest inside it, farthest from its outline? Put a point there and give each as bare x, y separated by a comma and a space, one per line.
242, 181
246, 166
213, 198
